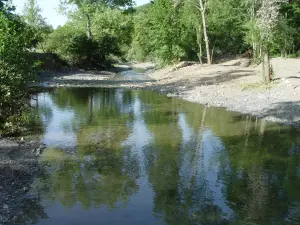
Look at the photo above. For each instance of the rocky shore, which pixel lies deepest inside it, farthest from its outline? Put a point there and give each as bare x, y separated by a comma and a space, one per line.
238, 87
232, 84
18, 167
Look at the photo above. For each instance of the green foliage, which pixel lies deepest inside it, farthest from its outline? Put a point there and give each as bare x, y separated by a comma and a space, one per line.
32, 13
168, 31
16, 68
110, 30
140, 47
32, 16
110, 3
26, 123
114, 24
165, 42
6, 7
72, 45
157, 34
286, 36
225, 21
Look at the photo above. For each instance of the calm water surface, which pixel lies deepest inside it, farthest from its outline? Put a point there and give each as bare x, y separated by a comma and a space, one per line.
128, 157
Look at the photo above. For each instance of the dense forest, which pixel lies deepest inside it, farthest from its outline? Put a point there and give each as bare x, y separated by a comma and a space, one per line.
167, 31
99, 33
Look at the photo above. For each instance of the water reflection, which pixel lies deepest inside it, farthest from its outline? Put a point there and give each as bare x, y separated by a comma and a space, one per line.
135, 157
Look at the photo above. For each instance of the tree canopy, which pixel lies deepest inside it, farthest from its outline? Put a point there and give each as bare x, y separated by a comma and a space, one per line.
16, 66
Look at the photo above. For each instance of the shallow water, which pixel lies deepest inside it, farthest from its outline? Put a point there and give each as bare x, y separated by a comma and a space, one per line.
119, 156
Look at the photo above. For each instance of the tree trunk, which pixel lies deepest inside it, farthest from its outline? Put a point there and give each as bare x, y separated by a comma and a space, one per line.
260, 51
254, 48
285, 47
88, 27
266, 66
199, 42
254, 42
285, 41
203, 10
263, 64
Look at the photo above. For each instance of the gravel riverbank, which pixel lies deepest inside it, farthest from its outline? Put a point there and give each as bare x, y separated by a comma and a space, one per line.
238, 88
232, 84
18, 168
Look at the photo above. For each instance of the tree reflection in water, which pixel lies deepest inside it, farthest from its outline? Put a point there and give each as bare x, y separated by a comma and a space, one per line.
203, 165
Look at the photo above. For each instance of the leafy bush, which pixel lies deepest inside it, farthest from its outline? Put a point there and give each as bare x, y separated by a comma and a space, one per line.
115, 24
157, 34
75, 47
16, 68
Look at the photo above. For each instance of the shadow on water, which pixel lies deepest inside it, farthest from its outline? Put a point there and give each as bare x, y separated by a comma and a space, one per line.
119, 156
283, 111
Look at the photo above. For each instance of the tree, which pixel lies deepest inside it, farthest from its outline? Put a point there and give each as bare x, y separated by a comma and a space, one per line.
191, 18
225, 19
114, 23
165, 32
268, 17
160, 35
2, 3
92, 46
32, 13
5, 6
32, 16
286, 38
202, 9
87, 8
16, 67
252, 35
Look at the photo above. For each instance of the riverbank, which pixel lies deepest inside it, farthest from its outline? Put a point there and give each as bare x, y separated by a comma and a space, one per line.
238, 87
18, 168
232, 84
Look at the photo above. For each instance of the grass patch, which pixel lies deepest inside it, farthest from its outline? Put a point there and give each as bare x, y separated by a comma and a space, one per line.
259, 85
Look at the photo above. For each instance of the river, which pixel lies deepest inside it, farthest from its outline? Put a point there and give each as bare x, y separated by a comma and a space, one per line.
119, 156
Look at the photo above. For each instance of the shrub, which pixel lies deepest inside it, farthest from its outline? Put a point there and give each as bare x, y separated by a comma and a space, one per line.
74, 47
16, 68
